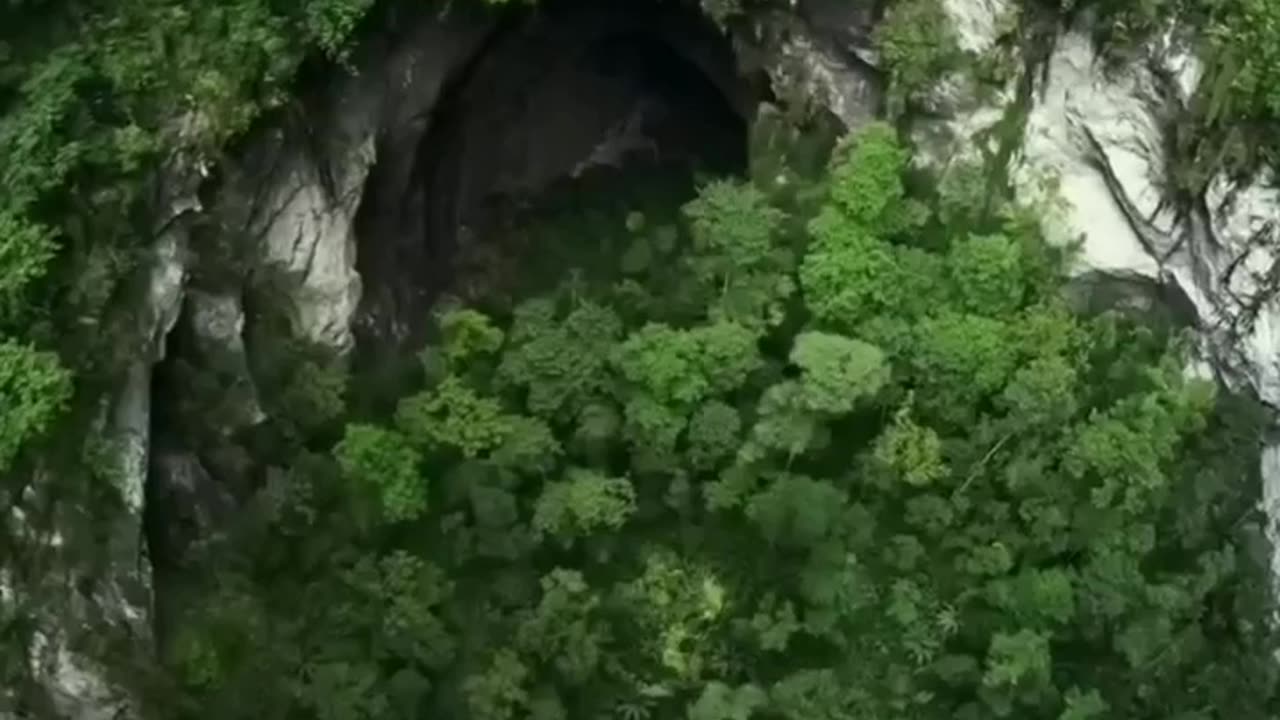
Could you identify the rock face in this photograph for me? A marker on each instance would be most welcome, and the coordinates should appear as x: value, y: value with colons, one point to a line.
x: 282, y: 220
x: 112, y: 599
x: 824, y: 56
x: 1106, y: 139
x: 272, y: 273
x: 323, y: 232
x: 1100, y: 139
x: 1082, y: 130
x: 291, y: 206
x: 320, y: 234
x: 552, y: 94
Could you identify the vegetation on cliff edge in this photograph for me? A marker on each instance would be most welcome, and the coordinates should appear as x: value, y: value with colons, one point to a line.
x: 805, y: 452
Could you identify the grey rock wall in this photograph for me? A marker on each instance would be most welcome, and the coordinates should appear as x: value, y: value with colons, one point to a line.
x: 320, y: 220
x: 1095, y: 150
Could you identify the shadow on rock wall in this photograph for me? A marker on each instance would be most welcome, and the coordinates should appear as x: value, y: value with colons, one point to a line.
x: 552, y: 96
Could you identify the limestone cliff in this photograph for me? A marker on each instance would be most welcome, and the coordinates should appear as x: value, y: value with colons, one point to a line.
x: 330, y: 227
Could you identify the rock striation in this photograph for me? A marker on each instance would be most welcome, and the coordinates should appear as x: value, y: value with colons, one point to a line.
x: 1097, y: 146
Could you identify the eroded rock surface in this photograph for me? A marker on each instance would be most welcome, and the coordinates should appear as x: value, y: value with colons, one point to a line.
x: 810, y: 63
x: 328, y: 228
x: 113, y: 597
x: 327, y: 217
x: 1083, y: 127
x: 290, y: 207
x: 1096, y: 145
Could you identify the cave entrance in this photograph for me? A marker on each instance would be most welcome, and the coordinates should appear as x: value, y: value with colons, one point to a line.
x: 565, y: 106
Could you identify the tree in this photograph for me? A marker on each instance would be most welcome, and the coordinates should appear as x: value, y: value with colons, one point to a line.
x: 387, y: 461
x: 34, y: 390
x: 920, y: 488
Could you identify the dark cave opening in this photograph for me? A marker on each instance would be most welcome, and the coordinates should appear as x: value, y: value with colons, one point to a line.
x: 571, y: 94
x: 565, y: 96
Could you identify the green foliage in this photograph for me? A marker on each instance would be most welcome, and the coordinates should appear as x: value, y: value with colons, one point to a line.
x: 734, y: 223
x: 138, y: 64
x: 561, y: 364
x: 314, y: 395
x: 95, y: 101
x: 1244, y: 39
x: 937, y: 492
x: 468, y: 334
x: 25, y: 252
x: 528, y: 446
x: 387, y: 461
x: 920, y: 488
x: 1232, y: 120
x: 329, y: 22
x: 866, y: 182
x: 736, y: 256
x: 988, y: 274
x: 721, y: 702
x: 565, y: 629
x: 498, y: 692
x: 582, y: 503
x: 911, y: 452
x: 110, y: 114
x: 34, y: 390
x: 453, y: 416
x: 836, y: 371
x: 917, y: 46
x: 714, y: 434
x: 1017, y: 664
x: 851, y: 272
x: 797, y: 510
x: 677, y: 606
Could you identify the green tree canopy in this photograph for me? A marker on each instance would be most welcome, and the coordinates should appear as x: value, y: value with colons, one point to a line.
x: 869, y: 502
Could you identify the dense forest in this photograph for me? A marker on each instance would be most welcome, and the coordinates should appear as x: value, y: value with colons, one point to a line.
x: 823, y: 440
x: 808, y: 450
